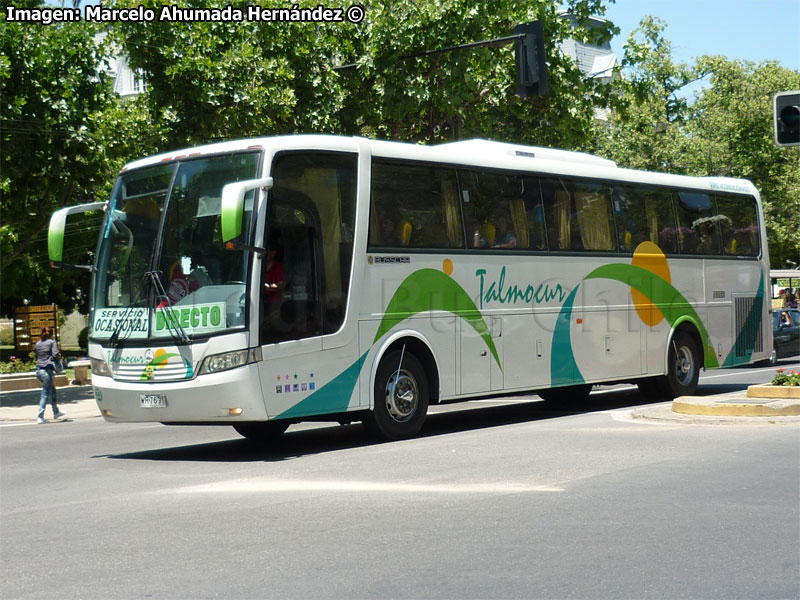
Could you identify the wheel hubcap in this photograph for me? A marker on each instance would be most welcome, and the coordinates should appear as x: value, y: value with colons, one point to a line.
x: 684, y: 366
x: 401, y: 396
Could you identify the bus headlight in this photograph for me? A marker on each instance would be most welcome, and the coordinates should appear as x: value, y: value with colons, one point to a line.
x: 100, y: 367
x: 229, y: 360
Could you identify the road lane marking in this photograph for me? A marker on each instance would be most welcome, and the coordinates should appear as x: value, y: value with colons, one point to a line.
x: 301, y: 485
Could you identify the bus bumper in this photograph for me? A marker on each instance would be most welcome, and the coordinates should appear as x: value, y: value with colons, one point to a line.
x: 232, y: 397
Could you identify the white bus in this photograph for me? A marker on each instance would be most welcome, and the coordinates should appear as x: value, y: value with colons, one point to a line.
x: 264, y: 282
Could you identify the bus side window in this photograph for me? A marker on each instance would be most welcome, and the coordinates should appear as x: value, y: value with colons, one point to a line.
x: 644, y: 214
x: 738, y: 220
x: 698, y: 224
x: 494, y: 210
x: 557, y: 202
x: 596, y: 224
x: 534, y: 211
x: 414, y: 206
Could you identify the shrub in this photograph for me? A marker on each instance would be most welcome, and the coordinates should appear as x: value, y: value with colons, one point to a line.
x: 18, y: 365
x: 783, y: 378
x: 83, y: 339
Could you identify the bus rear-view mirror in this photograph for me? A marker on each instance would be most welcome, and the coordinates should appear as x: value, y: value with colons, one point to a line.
x: 232, y: 210
x: 57, y: 232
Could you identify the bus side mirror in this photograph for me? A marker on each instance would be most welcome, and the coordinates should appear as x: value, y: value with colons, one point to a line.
x: 232, y: 210
x: 55, y: 234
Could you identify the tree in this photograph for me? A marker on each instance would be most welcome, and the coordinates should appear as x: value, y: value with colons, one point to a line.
x: 52, y: 98
x: 209, y: 81
x: 731, y: 134
x: 647, y: 129
x: 725, y: 129
x: 65, y: 135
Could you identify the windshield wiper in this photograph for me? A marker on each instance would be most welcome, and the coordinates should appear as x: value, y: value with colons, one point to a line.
x: 173, y: 325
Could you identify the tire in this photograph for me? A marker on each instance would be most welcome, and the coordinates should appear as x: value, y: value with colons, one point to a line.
x: 574, y: 395
x: 683, y: 366
x: 401, y: 403
x: 773, y: 357
x: 262, y: 433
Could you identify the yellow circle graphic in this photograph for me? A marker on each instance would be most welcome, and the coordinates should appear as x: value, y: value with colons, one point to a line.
x: 447, y: 266
x: 649, y: 256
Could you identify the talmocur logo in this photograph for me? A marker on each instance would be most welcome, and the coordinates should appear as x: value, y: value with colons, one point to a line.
x: 148, y: 354
x: 499, y: 291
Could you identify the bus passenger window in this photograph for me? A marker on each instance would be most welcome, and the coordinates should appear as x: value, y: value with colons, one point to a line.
x: 738, y: 220
x: 698, y: 224
x: 413, y: 206
x: 557, y: 202
x: 494, y: 210
x: 592, y: 201
x: 644, y: 214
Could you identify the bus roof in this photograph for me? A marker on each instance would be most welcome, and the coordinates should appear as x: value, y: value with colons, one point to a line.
x: 475, y: 152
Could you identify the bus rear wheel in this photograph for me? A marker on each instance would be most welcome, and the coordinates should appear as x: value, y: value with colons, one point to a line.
x: 683, y: 366
x: 683, y: 371
x: 401, y: 397
x: 262, y: 433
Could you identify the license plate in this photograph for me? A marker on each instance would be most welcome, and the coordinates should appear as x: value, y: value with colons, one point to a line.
x: 152, y: 401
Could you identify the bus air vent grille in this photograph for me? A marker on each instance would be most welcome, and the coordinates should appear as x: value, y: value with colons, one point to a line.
x: 747, y: 326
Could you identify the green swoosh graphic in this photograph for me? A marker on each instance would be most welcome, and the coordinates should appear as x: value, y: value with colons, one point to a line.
x: 669, y: 300
x: 429, y: 289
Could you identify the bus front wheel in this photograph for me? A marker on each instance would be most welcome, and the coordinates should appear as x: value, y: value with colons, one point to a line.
x: 262, y: 433
x: 401, y: 397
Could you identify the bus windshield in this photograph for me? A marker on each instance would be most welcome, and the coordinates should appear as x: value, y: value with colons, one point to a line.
x: 161, y: 268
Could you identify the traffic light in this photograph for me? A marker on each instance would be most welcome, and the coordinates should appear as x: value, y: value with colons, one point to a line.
x: 530, y: 59
x: 786, y: 117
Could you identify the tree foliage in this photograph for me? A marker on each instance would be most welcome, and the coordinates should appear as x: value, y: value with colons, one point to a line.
x: 724, y: 129
x: 53, y: 99
x: 211, y: 81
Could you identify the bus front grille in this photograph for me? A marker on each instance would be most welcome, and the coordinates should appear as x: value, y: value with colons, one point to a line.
x: 167, y: 372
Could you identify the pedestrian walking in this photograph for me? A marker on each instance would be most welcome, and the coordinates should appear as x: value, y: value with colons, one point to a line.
x: 47, y: 354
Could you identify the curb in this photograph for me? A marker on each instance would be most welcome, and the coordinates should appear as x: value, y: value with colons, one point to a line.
x: 728, y: 408
x: 736, y: 407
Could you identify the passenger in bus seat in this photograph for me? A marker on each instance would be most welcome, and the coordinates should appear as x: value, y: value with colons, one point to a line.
x: 478, y: 241
x: 505, y: 235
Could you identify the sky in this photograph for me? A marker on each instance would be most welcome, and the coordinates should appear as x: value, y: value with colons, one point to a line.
x: 754, y: 30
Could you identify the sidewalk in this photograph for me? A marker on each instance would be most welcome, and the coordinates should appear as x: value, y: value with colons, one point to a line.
x: 22, y: 406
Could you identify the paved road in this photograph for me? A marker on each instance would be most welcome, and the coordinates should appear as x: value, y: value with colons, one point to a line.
x: 507, y: 499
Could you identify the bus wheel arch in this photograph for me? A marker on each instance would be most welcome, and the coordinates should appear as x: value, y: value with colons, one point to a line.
x: 688, y: 327
x: 404, y: 382
x: 683, y: 359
